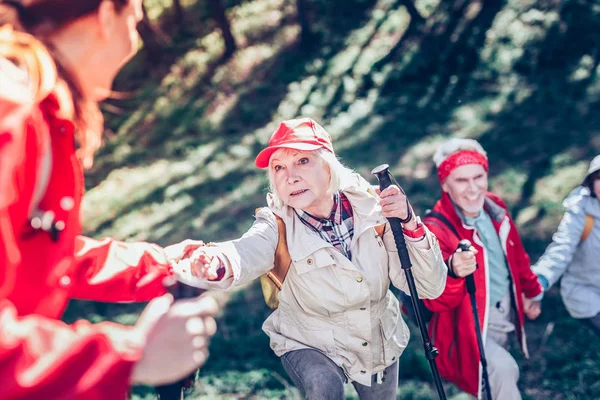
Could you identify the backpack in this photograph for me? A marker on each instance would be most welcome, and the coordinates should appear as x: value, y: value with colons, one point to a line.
x: 272, y: 282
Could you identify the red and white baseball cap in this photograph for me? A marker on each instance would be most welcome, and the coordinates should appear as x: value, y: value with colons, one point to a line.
x: 302, y: 134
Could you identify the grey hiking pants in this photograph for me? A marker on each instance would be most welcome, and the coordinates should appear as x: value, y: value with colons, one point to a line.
x: 319, y: 378
x: 503, y: 370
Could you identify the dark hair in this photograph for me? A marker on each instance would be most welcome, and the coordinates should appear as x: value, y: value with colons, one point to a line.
x: 42, y: 17
x: 27, y: 44
x: 589, y: 182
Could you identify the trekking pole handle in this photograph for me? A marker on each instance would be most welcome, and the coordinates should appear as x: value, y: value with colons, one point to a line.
x: 384, y: 177
x: 382, y: 172
x: 465, y: 245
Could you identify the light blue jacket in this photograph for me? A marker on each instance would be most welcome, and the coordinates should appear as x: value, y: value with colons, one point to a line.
x: 577, y: 263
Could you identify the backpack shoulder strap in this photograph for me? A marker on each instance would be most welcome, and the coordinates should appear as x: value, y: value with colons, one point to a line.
x: 587, y: 228
x: 283, y: 260
x: 434, y: 215
x: 380, y: 229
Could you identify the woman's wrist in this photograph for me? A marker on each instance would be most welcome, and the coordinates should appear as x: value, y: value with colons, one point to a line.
x: 414, y: 228
x: 224, y: 271
x: 410, y: 225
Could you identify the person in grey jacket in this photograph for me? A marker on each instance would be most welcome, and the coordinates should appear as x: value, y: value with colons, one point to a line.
x: 337, y: 321
x: 573, y: 259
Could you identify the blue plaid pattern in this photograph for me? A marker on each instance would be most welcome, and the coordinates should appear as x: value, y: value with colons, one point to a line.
x: 338, y: 228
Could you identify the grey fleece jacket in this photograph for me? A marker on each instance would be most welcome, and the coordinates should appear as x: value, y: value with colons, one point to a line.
x: 577, y: 263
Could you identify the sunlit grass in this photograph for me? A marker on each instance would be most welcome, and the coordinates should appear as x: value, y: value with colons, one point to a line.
x: 182, y: 160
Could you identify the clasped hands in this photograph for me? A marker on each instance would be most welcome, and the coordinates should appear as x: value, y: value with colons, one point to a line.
x: 173, y: 335
x: 194, y: 259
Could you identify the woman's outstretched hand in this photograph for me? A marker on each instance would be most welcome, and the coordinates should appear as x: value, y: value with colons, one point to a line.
x: 208, y: 266
x: 179, y: 251
x: 204, y: 263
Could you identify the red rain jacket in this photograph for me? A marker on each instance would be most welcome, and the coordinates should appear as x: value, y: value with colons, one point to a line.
x: 452, y: 328
x: 41, y: 357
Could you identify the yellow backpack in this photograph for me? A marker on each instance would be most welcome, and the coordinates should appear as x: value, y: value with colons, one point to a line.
x: 272, y: 282
x: 587, y: 228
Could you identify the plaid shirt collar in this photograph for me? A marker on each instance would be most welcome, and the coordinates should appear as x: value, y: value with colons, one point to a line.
x: 340, y: 211
x: 338, y: 228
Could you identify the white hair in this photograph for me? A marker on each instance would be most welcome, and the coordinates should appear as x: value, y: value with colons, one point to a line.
x: 339, y: 173
x: 453, y: 145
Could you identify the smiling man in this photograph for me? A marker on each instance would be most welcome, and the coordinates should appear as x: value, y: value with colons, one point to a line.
x: 507, y: 289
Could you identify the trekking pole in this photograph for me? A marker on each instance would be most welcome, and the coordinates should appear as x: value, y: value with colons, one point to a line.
x: 385, y: 179
x: 465, y: 245
x: 176, y: 390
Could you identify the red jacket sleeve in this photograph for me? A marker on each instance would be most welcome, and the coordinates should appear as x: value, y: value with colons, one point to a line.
x: 455, y: 289
x: 42, y: 358
x: 12, y: 150
x: 530, y: 284
x: 113, y: 271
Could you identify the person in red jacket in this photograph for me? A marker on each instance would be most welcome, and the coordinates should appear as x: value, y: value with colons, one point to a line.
x: 507, y: 289
x: 58, y: 58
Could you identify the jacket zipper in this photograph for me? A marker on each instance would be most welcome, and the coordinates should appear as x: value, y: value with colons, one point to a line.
x: 513, y: 297
x: 456, y: 333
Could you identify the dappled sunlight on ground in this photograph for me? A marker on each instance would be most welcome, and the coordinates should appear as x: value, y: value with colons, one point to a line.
x: 389, y: 89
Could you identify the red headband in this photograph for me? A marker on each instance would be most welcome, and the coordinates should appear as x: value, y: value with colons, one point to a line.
x: 459, y: 158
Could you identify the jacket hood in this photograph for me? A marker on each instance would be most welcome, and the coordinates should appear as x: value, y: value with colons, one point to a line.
x: 580, y: 199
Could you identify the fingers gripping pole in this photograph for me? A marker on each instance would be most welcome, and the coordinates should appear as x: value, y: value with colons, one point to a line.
x: 383, y: 176
x: 385, y: 179
x: 465, y: 245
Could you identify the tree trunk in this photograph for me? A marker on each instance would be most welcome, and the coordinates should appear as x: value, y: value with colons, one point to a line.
x: 154, y: 40
x: 306, y: 34
x: 178, y: 14
x: 218, y: 13
x: 415, y: 15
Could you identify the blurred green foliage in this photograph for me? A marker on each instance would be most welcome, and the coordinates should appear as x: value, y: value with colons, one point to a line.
x: 521, y: 76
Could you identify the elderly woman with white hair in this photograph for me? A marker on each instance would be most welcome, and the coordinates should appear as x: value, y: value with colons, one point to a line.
x: 337, y: 321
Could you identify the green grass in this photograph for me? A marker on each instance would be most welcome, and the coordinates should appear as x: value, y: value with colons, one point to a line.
x: 519, y: 76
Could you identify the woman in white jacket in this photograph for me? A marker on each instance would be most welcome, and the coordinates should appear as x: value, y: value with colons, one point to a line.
x: 574, y: 259
x: 337, y: 320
